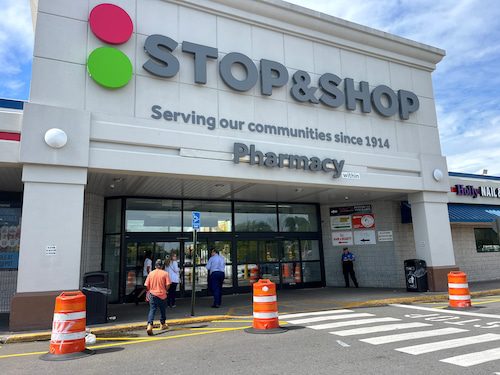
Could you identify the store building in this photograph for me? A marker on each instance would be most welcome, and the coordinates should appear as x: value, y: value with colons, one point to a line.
x: 294, y: 133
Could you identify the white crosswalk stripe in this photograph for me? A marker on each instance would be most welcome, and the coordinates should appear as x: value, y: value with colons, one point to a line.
x: 448, y: 344
x: 375, y: 329
x: 328, y: 317
x: 315, y: 313
x: 352, y: 323
x: 472, y: 359
x: 343, y: 318
x: 379, y: 340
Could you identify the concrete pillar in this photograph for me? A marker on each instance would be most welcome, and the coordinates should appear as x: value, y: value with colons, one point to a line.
x: 432, y: 232
x: 51, y: 239
x: 54, y: 179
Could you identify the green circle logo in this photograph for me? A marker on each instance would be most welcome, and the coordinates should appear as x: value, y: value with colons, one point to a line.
x: 109, y: 67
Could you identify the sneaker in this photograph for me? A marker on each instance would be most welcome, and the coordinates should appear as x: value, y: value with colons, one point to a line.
x: 173, y: 306
x: 149, y: 330
x: 164, y: 326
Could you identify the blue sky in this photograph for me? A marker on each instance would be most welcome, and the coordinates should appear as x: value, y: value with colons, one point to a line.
x: 466, y: 82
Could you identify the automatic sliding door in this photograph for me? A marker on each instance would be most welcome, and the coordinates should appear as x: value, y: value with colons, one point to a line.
x: 204, y: 253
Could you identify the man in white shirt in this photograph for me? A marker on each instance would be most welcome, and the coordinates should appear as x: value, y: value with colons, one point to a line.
x: 216, y: 266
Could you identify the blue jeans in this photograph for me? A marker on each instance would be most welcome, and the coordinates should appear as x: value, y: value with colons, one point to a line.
x: 154, y: 304
x: 216, y: 280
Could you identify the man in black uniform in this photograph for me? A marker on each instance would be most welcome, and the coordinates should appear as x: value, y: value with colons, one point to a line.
x: 348, y: 267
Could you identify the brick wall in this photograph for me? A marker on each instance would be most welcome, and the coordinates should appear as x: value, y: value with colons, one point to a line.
x: 93, y: 220
x: 379, y: 265
x: 478, y: 266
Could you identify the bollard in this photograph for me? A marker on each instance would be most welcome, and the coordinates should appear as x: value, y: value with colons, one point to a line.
x: 265, y: 308
x: 68, y: 328
x: 459, y: 296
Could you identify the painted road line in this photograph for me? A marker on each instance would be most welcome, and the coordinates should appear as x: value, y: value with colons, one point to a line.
x: 328, y: 317
x: 453, y: 312
x: 448, y: 344
x: 375, y: 329
x: 133, y: 342
x: 315, y: 313
x: 472, y: 359
x: 341, y: 343
x: 412, y: 336
x: 233, y: 321
x: 353, y: 323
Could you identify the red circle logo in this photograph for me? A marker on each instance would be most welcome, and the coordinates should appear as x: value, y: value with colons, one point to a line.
x: 111, y: 24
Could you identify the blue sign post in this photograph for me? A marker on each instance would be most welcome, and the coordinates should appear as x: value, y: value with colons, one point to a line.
x: 196, y: 220
x: 195, y: 223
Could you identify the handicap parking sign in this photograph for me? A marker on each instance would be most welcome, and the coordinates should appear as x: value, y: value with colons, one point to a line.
x: 196, y: 220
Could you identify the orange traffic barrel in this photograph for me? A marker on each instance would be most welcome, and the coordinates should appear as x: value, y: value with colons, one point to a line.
x: 297, y: 276
x: 254, y: 274
x: 265, y: 308
x: 68, y: 328
x: 458, y: 290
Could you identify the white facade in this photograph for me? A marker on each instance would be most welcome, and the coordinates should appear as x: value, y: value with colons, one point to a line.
x: 112, y: 135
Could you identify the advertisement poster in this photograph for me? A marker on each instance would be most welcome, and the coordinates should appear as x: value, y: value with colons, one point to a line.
x: 341, y: 222
x: 342, y: 238
x: 347, y: 210
x: 364, y: 237
x: 364, y: 221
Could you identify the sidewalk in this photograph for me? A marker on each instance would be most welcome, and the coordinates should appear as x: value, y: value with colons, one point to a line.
x: 131, y: 317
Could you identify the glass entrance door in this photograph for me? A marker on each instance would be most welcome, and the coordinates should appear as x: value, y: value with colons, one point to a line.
x: 137, y: 251
x: 135, y: 272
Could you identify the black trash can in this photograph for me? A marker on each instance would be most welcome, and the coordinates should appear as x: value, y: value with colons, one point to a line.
x: 416, y: 275
x: 95, y: 287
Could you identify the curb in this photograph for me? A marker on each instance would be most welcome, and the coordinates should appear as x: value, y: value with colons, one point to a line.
x: 416, y: 299
x: 99, y: 331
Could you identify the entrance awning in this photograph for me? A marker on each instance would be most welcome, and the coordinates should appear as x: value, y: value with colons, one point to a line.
x: 471, y: 213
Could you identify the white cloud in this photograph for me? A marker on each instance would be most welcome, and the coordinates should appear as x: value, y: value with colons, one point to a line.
x: 16, y: 44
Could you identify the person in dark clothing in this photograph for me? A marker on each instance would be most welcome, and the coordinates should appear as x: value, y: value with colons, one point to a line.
x: 348, y: 267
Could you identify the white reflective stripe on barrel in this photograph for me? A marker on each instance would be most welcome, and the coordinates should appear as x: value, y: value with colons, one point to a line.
x: 460, y: 298
x: 67, y: 336
x: 267, y: 315
x: 455, y: 285
x: 265, y: 299
x: 59, y: 317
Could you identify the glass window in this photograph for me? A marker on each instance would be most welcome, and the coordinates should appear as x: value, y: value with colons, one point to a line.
x: 132, y: 254
x: 247, y: 252
x: 166, y: 249
x: 309, y: 249
x: 153, y: 215
x: 255, y: 217
x: 311, y: 271
x: 10, y: 234
x: 112, y: 264
x: 215, y: 216
x: 298, y: 218
x: 268, y: 251
x: 202, y: 278
x: 486, y: 240
x: 248, y: 274
x: 291, y: 273
x: 290, y: 250
x: 270, y: 271
x: 113, y: 216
